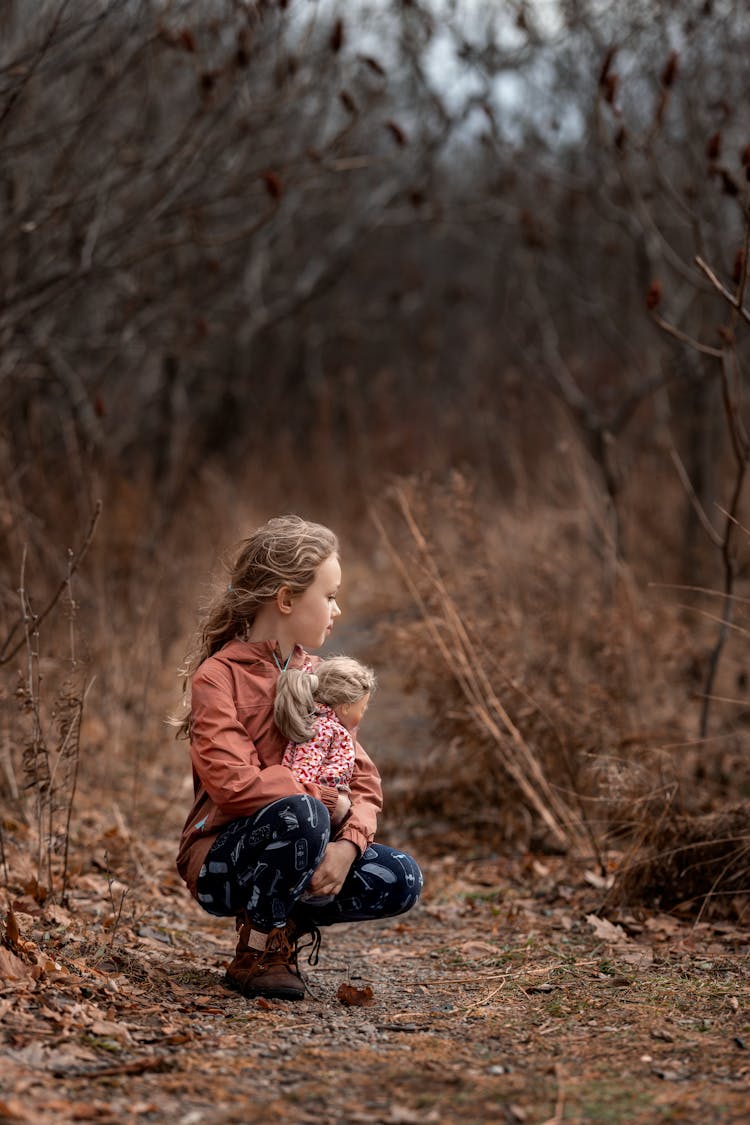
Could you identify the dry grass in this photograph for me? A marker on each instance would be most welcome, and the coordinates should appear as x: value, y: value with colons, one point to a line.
x: 561, y: 689
x: 692, y: 864
x: 532, y: 648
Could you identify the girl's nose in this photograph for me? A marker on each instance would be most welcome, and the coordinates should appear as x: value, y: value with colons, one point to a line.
x: 336, y: 610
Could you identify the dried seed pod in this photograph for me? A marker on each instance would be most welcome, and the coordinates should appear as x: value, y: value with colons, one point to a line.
x: 670, y: 70
x: 713, y: 147
x: 653, y: 295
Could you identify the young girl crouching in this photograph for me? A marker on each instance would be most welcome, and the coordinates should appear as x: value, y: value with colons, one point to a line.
x: 257, y: 837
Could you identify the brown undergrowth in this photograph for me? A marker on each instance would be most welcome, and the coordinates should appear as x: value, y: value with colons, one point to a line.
x: 560, y: 696
x: 692, y: 864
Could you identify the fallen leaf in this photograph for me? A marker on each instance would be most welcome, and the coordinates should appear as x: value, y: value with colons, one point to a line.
x: 12, y: 967
x: 355, y: 997
x: 605, y: 930
x: 639, y: 956
x: 109, y: 1029
x: 12, y: 933
x: 670, y: 1075
x: 477, y: 949
x: 12, y: 1109
x: 402, y: 1115
x: 601, y: 882
x: 57, y: 914
x: 619, y: 981
x: 663, y: 925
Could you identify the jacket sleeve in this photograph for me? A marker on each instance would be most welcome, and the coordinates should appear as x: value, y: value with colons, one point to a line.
x: 226, y: 759
x: 367, y: 801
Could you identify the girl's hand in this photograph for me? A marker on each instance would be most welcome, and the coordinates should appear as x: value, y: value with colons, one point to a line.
x: 341, y: 812
x: 333, y: 869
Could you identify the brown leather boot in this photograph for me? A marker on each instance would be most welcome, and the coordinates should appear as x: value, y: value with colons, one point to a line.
x: 270, y: 972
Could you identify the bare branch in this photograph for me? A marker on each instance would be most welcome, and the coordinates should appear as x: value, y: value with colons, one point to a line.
x: 684, y: 338
x: 698, y: 508
x: 734, y: 301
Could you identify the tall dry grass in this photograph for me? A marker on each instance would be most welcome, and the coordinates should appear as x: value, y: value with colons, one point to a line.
x: 563, y: 683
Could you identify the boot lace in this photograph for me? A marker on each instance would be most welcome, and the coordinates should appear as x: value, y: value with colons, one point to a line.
x: 311, y: 947
x: 280, y: 942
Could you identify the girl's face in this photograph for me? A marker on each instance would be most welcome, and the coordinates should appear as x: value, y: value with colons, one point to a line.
x: 313, y: 612
x: 350, y: 715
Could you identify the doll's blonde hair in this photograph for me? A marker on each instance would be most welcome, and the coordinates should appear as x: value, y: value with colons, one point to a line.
x: 335, y: 681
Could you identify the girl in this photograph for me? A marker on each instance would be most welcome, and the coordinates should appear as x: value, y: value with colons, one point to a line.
x: 256, y: 837
x: 317, y: 711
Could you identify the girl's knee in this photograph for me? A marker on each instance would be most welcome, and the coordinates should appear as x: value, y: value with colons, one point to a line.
x: 413, y: 873
x: 303, y: 815
x: 411, y: 884
x: 398, y: 875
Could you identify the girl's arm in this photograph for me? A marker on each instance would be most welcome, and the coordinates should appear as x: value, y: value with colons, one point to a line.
x: 367, y: 801
x: 357, y: 831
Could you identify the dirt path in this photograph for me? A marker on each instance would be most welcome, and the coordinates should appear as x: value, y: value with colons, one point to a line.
x: 502, y: 997
x: 499, y: 998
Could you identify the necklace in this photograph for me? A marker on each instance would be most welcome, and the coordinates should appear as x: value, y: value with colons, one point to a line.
x: 286, y: 662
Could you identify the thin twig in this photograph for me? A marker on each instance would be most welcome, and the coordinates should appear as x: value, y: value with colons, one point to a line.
x: 696, y: 590
x: 557, y: 1118
x: 117, y: 909
x: 36, y: 755
x: 719, y: 619
x: 733, y: 300
x: 698, y: 508
x: 484, y: 1000
x: 741, y: 449
x: 72, y: 796
x: 683, y: 337
x: 73, y: 565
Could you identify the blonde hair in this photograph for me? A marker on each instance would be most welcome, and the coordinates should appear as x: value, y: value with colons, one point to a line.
x: 285, y: 551
x: 337, y: 680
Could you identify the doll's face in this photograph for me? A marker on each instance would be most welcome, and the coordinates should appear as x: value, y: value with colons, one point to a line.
x: 350, y: 715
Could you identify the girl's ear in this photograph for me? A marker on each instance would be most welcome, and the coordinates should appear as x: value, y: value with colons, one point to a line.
x: 284, y: 600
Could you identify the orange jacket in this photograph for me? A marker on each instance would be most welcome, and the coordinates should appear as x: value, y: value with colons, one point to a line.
x: 236, y: 751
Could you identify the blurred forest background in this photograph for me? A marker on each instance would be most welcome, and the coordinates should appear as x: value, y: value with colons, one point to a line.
x: 466, y: 280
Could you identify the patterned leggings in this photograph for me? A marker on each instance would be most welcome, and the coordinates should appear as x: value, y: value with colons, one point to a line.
x: 263, y: 863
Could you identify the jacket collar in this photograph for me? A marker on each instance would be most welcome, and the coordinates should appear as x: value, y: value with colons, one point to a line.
x: 250, y: 652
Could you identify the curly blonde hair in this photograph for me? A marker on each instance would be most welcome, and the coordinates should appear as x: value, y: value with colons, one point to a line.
x: 337, y: 680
